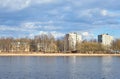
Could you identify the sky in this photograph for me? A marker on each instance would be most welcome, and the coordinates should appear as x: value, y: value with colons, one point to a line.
x: 27, y: 18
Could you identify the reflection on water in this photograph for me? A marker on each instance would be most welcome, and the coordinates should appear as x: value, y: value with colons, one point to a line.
x: 106, y: 66
x: 73, y: 67
x: 73, y: 59
x: 109, y: 69
x: 59, y: 67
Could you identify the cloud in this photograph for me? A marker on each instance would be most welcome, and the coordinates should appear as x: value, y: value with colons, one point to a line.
x: 103, y: 4
x: 93, y: 13
x: 76, y: 4
x: 15, y: 29
x: 61, y: 16
x: 32, y: 28
x: 86, y: 35
x: 40, y: 26
x: 104, y: 12
x: 97, y: 16
x: 54, y: 33
x: 57, y: 34
x: 30, y: 25
x: 15, y: 4
x: 21, y: 4
x: 43, y: 1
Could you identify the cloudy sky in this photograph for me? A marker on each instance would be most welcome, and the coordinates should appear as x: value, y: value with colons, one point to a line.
x: 21, y: 18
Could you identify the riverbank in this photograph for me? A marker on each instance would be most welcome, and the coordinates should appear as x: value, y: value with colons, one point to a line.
x: 58, y: 54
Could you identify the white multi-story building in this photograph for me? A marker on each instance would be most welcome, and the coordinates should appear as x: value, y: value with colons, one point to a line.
x: 105, y: 39
x: 71, y: 41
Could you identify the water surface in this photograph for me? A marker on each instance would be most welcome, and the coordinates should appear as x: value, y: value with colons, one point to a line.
x: 59, y: 67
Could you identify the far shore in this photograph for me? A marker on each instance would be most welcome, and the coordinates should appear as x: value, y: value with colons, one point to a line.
x: 54, y: 54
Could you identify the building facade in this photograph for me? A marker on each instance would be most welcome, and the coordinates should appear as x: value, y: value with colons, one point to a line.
x: 105, y: 39
x: 71, y: 41
x: 20, y: 47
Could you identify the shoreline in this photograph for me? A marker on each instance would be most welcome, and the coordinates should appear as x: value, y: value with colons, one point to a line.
x: 58, y: 54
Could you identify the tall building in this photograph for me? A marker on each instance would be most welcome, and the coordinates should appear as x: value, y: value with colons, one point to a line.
x: 71, y: 41
x: 105, y: 39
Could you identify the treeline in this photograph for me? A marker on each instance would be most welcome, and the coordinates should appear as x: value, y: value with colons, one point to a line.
x: 10, y: 44
x: 46, y: 43
x: 93, y: 47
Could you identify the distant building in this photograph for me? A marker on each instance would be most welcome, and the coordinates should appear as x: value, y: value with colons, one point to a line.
x: 105, y: 39
x: 71, y: 41
x: 20, y: 47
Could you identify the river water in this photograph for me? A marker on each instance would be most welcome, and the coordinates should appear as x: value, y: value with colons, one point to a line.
x: 59, y: 67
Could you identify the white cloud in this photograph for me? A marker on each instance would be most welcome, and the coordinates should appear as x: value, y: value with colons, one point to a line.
x: 14, y: 28
x: 30, y: 25
x: 34, y: 28
x: 15, y: 4
x: 54, y: 33
x: 104, y: 12
x: 51, y: 27
x: 32, y: 32
x: 43, y: 1
x: 89, y: 13
x: 87, y: 35
x: 21, y: 4
x: 97, y: 15
x: 4, y: 28
x: 57, y: 34
x: 40, y: 25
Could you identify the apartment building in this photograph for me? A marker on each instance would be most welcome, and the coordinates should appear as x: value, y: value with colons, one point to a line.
x: 105, y: 39
x: 71, y: 40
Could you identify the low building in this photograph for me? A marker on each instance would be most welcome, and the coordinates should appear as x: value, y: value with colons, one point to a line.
x: 20, y: 47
